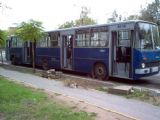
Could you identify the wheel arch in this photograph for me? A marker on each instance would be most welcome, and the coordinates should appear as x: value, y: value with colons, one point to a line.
x: 102, y: 63
x: 45, y: 63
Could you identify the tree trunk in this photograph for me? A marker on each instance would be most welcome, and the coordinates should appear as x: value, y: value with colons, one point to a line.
x: 33, y: 57
x: 1, y: 57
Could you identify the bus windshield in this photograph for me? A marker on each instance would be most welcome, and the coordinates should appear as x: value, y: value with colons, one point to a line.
x: 148, y: 36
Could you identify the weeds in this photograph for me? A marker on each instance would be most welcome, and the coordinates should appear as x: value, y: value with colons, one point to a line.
x: 103, y: 89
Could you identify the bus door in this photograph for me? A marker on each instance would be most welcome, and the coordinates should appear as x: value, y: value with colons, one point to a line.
x: 27, y: 52
x: 121, y: 53
x: 67, y: 51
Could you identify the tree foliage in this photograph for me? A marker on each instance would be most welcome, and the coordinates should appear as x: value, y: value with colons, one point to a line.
x: 132, y: 17
x: 2, y: 42
x: 3, y: 6
x: 30, y: 31
x: 83, y: 20
x: 151, y: 12
x: 11, y: 31
x: 2, y: 38
x: 116, y: 17
x: 67, y: 24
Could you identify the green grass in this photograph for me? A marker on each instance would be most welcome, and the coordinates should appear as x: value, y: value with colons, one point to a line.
x: 142, y: 95
x: 18, y: 102
x: 103, y: 89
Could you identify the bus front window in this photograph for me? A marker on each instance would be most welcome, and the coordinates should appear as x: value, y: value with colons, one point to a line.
x: 156, y: 37
x: 148, y: 36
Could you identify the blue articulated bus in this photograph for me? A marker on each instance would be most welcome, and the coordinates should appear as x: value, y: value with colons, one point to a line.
x: 128, y: 49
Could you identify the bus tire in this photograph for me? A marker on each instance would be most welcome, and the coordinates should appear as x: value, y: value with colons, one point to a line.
x: 100, y: 71
x: 13, y: 60
x: 45, y: 64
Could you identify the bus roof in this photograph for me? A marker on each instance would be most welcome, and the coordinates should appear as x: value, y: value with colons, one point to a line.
x: 99, y: 25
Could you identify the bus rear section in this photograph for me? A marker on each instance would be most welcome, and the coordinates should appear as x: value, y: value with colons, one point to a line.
x: 14, y: 50
x: 18, y: 51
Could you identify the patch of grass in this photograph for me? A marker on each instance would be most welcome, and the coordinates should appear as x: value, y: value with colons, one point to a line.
x: 18, y: 102
x: 57, y: 94
x: 93, y: 114
x: 103, y: 89
x: 142, y: 95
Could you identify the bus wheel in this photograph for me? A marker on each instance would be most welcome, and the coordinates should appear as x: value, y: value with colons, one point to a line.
x: 100, y: 71
x: 45, y: 64
x: 13, y: 60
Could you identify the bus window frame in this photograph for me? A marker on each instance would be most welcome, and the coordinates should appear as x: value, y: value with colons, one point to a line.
x: 90, y: 31
x: 100, y: 30
x: 16, y: 40
x: 57, y: 40
x: 82, y: 32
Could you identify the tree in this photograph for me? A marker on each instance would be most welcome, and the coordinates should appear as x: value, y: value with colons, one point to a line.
x: 67, y: 25
x: 133, y: 17
x: 3, y: 6
x: 151, y: 12
x: 2, y: 42
x: 115, y: 17
x: 31, y: 31
x: 83, y: 20
x: 11, y: 31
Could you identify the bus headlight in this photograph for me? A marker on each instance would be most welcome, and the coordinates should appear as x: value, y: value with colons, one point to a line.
x: 143, y: 65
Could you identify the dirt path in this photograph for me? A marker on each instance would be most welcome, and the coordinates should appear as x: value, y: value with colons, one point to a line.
x: 99, y: 113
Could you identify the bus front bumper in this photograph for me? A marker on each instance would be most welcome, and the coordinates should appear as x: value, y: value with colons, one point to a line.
x: 147, y: 70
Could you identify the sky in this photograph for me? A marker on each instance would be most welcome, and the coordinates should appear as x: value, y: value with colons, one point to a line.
x: 55, y: 12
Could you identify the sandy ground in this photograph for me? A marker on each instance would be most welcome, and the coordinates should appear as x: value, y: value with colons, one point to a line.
x: 75, y: 104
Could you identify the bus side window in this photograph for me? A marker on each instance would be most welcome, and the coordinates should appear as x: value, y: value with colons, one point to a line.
x: 19, y: 42
x: 54, y: 39
x: 95, y: 38
x: 124, y: 38
x: 82, y: 39
x: 43, y: 42
x: 13, y: 42
x: 99, y: 37
x: 104, y: 39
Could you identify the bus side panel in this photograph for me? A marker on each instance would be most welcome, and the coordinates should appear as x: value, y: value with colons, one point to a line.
x: 85, y: 58
x: 17, y: 53
x: 51, y: 54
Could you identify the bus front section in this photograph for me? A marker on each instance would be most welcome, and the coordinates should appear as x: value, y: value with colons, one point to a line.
x: 146, y: 53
